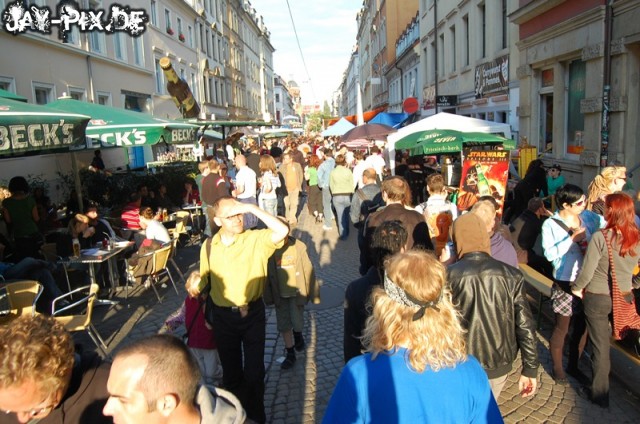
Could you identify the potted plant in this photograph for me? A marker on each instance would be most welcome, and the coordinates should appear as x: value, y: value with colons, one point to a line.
x: 181, y: 37
x: 169, y: 31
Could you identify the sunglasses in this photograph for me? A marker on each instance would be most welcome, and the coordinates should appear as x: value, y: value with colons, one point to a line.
x: 579, y: 202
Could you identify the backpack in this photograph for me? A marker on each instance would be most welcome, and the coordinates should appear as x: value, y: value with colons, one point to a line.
x: 368, y: 206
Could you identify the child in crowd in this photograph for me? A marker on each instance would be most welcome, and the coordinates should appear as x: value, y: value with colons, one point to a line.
x: 291, y: 283
x: 438, y: 212
x: 554, y: 181
x: 199, y: 336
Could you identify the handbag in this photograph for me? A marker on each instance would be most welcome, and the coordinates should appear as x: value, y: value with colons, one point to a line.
x: 626, y: 321
x: 208, y: 307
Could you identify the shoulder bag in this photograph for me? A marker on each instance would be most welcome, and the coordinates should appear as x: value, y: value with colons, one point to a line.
x: 208, y: 307
x: 626, y: 322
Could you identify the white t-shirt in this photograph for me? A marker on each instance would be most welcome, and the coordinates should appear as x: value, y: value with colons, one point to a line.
x: 358, y: 170
x: 376, y: 162
x: 156, y: 231
x: 246, y: 178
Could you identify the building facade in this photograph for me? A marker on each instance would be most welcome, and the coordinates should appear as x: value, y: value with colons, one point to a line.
x: 566, y: 52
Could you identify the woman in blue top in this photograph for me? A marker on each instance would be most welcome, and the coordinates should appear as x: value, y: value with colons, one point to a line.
x: 565, y: 236
x: 416, y: 369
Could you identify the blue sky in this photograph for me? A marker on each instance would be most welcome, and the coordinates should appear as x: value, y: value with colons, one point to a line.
x: 327, y: 32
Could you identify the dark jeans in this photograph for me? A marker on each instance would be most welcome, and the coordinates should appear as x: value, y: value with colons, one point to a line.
x: 35, y: 269
x: 597, y: 308
x: 239, y: 338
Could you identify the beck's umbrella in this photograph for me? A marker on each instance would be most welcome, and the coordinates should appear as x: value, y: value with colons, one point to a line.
x: 368, y: 132
x: 111, y: 126
x: 9, y: 95
x: 448, y: 141
x: 26, y: 127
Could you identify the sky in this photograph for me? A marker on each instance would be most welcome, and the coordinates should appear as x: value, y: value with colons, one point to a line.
x: 327, y: 33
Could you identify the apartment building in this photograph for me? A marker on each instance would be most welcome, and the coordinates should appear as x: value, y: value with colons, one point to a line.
x: 578, y: 68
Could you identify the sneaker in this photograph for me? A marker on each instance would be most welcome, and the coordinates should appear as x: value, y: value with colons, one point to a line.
x: 289, y: 361
x: 324, y: 227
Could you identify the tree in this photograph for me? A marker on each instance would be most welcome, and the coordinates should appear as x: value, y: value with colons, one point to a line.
x: 314, y: 122
x: 326, y: 110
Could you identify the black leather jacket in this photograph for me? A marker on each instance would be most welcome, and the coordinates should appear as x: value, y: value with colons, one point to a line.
x: 490, y: 295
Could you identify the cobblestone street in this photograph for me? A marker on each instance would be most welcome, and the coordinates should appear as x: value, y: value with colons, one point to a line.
x: 301, y: 394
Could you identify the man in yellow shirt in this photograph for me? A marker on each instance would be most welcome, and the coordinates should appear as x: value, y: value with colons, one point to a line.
x: 234, y: 261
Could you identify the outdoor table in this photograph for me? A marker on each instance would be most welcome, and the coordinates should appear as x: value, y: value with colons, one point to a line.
x: 99, y: 255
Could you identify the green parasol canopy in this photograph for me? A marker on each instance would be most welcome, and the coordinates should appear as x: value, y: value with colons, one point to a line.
x: 111, y: 126
x: 26, y: 127
x: 9, y: 95
x: 448, y: 141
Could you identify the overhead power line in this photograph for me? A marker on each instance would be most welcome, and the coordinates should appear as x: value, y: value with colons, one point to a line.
x: 304, y: 63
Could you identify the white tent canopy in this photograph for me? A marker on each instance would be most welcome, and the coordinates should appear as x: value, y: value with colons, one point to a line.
x: 446, y: 121
x: 339, y: 128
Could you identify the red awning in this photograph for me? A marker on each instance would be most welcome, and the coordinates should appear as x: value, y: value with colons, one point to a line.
x: 368, y: 116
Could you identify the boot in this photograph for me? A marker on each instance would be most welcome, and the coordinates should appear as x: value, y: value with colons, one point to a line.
x: 289, y: 360
x: 298, y: 341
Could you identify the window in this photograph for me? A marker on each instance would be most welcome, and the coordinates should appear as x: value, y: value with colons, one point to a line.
x: 167, y: 19
x: 452, y: 32
x: 43, y: 93
x: 73, y: 36
x: 7, y: 83
x: 277, y: 97
x: 154, y: 13
x: 190, y: 36
x: 441, y: 55
x: 159, y: 78
x: 179, y: 26
x: 104, y: 98
x: 96, y: 42
x: 465, y: 45
x: 505, y: 25
x: 575, y: 94
x: 482, y: 19
x: 120, y: 46
x: 546, y: 110
x: 138, y: 51
x: 78, y: 94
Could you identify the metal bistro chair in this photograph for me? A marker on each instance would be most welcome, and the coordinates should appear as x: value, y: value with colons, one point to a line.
x: 81, y: 322
x: 174, y: 249
x: 159, y: 268
x: 18, y: 298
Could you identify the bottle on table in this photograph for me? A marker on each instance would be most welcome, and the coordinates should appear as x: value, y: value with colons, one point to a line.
x: 483, y: 184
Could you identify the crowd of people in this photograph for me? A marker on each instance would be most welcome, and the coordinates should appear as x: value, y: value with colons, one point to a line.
x: 437, y: 319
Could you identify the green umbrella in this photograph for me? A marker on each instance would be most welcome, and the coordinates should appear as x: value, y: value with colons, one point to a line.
x: 111, y: 126
x: 26, y: 127
x: 9, y: 95
x: 448, y: 141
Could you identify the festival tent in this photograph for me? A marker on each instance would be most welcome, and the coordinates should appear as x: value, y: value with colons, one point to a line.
x: 448, y: 141
x: 25, y: 127
x: 446, y: 121
x: 392, y: 119
x: 337, y: 129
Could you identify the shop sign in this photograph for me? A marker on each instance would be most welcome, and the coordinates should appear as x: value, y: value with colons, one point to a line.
x: 492, y: 78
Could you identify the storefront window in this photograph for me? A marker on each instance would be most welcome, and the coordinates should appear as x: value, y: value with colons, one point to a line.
x: 546, y: 110
x: 575, y: 119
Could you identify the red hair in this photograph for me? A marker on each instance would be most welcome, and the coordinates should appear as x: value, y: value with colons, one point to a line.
x: 620, y: 217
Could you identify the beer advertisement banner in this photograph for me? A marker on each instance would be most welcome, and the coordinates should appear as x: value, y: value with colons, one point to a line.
x: 484, y: 173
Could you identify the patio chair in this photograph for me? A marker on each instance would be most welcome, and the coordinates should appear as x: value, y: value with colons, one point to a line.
x: 174, y: 249
x: 18, y: 298
x: 182, y: 217
x: 160, y: 261
x: 83, y: 299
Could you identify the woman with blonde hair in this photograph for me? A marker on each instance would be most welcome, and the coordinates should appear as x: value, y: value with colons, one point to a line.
x: 269, y: 182
x: 610, y: 180
x: 415, y: 368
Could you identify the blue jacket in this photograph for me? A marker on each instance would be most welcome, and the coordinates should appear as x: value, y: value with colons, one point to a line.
x: 324, y: 171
